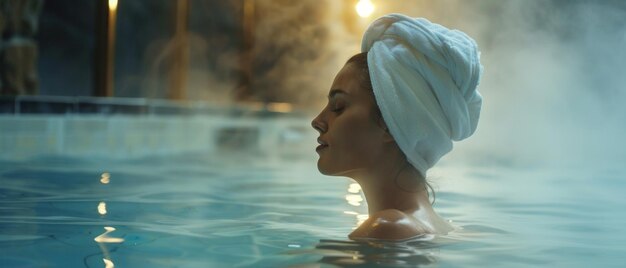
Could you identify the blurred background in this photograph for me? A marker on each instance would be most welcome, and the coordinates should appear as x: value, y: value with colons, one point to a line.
x: 183, y: 127
x: 553, y: 87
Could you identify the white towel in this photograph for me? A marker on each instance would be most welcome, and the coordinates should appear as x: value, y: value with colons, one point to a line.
x: 424, y: 78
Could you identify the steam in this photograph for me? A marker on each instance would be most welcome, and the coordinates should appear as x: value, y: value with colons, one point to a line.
x: 298, y: 48
x: 554, y: 83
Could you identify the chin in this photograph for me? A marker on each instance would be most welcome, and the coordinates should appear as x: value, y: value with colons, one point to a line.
x: 329, y: 171
x: 326, y: 168
x: 322, y: 169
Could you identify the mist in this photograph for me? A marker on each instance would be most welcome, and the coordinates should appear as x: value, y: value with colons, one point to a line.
x: 554, y: 83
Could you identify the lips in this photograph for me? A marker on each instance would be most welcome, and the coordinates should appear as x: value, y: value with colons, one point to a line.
x: 323, y: 145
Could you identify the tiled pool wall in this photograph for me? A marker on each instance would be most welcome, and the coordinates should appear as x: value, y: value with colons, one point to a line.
x: 127, y: 135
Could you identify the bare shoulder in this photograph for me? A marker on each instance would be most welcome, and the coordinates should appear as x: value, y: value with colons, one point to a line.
x: 388, y: 224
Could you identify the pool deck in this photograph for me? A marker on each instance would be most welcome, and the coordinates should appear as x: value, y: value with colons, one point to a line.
x: 131, y: 128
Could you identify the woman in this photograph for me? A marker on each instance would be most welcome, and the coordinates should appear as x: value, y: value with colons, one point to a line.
x: 393, y: 112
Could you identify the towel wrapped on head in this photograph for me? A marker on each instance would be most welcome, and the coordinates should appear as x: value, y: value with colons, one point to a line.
x: 424, y: 78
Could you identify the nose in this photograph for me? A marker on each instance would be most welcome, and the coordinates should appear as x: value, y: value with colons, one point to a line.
x: 318, y: 124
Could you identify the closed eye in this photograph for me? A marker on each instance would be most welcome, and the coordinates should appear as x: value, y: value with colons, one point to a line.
x: 338, y: 110
x: 337, y: 107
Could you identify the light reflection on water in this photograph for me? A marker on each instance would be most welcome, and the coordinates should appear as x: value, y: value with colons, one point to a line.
x: 356, y: 198
x: 102, y: 208
x: 105, y: 178
x: 104, y: 238
x: 415, y: 252
x: 198, y: 211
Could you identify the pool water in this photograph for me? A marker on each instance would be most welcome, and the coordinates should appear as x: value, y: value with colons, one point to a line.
x: 255, y: 210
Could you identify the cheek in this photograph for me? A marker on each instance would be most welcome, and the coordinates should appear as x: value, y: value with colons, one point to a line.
x: 359, y: 136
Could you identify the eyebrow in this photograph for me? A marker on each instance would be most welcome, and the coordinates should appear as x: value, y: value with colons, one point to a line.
x: 334, y: 92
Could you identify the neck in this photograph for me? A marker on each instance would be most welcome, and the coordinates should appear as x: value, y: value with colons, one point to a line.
x: 395, y: 187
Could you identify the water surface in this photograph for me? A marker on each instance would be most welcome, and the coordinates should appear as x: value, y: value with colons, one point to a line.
x: 251, y: 210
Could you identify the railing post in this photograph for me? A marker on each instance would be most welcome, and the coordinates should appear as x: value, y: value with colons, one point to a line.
x: 105, y: 48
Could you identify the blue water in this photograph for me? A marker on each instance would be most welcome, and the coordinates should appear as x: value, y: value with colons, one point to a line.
x: 251, y: 210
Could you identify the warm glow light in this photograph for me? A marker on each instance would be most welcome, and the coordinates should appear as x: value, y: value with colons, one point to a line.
x: 108, y: 263
x: 364, y: 8
x: 102, y: 208
x: 104, y: 238
x: 112, y: 5
x: 105, y: 178
x: 354, y: 199
x: 354, y: 188
x: 280, y: 107
x: 361, y: 218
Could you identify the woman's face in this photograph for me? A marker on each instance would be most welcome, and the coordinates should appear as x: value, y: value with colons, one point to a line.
x: 351, y: 135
